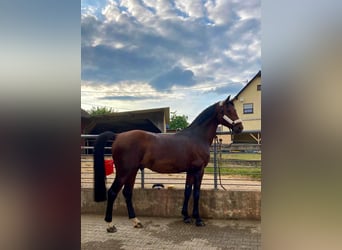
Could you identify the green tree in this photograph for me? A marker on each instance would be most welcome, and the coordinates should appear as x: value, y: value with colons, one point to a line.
x: 100, y: 111
x: 178, y: 121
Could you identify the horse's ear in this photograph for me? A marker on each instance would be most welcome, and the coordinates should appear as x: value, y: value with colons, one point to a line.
x: 225, y: 101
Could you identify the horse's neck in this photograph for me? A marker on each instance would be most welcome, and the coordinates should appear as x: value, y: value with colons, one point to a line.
x: 206, y: 131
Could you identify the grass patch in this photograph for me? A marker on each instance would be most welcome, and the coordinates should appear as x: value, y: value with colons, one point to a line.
x: 238, y: 156
x: 248, y: 172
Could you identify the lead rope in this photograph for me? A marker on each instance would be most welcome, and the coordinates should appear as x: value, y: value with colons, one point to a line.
x: 219, y: 168
x: 219, y: 171
x: 220, y: 179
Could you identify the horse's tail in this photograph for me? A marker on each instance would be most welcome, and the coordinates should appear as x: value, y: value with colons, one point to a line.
x: 100, y: 192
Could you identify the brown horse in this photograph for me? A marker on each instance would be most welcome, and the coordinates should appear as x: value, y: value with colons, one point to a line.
x: 185, y: 151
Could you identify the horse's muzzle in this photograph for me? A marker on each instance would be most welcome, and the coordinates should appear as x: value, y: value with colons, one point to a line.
x: 237, y: 128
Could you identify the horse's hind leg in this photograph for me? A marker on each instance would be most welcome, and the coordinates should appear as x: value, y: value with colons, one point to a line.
x: 128, y: 193
x: 187, y: 194
x: 112, y: 194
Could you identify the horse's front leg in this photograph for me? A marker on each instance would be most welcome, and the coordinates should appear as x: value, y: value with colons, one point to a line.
x: 187, y: 194
x: 198, y: 176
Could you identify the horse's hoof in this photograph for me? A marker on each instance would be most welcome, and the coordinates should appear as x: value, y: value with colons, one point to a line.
x: 111, y: 229
x: 138, y: 225
x: 187, y: 220
x: 200, y: 223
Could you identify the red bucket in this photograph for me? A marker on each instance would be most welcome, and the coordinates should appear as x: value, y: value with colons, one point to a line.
x: 109, y: 167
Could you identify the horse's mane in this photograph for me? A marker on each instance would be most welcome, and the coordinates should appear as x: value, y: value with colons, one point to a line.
x: 204, y: 116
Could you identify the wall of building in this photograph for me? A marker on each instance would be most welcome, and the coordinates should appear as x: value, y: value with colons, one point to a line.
x: 250, y: 95
x: 252, y: 121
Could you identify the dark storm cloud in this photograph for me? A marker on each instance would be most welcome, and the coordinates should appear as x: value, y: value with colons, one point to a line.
x: 89, y: 30
x: 108, y: 64
x: 175, y: 76
x: 144, y: 55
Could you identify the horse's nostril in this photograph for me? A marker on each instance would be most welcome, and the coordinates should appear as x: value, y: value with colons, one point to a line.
x: 238, y: 130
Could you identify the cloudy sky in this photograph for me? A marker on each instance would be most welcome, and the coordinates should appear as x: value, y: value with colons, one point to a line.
x: 186, y: 55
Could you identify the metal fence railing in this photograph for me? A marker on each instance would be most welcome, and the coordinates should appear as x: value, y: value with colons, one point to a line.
x: 222, y: 172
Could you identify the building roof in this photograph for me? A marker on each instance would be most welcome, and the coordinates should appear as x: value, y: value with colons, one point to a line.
x: 153, y: 120
x: 131, y: 114
x: 257, y: 75
x: 84, y: 114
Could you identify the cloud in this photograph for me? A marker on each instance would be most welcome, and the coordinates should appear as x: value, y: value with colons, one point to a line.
x: 220, y: 12
x: 192, y: 9
x: 229, y: 89
x: 169, y: 44
x: 129, y: 98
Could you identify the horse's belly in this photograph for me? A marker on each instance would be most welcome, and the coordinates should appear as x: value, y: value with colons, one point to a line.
x: 175, y: 166
x: 162, y: 166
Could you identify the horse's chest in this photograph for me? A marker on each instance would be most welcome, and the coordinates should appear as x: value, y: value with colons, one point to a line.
x: 200, y: 158
x: 191, y: 154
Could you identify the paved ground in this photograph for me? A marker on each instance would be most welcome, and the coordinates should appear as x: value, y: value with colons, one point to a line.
x: 169, y: 233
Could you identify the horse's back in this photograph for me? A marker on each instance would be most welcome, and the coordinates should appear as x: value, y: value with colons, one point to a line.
x: 166, y: 153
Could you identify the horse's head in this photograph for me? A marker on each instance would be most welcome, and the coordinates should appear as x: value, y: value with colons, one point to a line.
x: 228, y: 117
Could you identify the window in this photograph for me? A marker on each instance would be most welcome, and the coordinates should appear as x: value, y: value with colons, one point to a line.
x: 248, y: 108
x: 258, y: 87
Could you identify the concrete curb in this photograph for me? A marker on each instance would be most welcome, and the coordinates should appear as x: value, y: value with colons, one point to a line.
x: 214, y: 204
